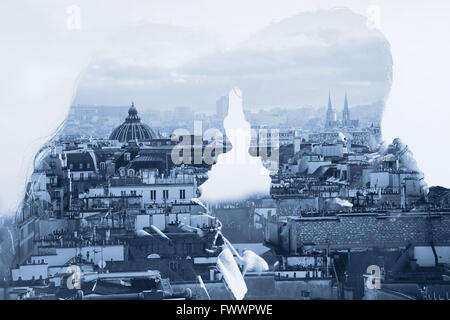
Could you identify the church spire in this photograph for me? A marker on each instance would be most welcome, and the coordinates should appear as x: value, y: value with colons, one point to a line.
x: 346, y: 112
x: 331, y: 116
x: 330, y: 107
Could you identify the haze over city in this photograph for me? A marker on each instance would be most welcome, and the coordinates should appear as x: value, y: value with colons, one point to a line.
x: 291, y: 63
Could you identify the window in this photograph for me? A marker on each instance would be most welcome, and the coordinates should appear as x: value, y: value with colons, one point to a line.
x: 81, y: 166
x: 187, y: 249
x: 165, y: 194
x: 173, y: 265
x: 81, y: 176
x: 133, y: 192
x: 127, y: 156
x: 71, y: 166
x: 123, y: 193
x: 182, y: 194
x: 152, y: 195
x: 88, y: 165
x: 102, y: 166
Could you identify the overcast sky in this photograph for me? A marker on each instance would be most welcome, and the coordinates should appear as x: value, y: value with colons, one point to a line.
x: 290, y: 63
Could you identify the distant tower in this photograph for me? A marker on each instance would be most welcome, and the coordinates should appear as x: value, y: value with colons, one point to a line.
x: 346, y: 113
x: 222, y: 107
x: 331, y: 115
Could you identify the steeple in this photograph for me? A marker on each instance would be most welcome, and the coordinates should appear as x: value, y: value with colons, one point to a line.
x: 346, y: 112
x: 331, y: 116
x: 330, y: 107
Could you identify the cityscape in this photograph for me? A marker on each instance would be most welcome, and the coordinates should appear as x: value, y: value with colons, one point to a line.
x: 110, y: 213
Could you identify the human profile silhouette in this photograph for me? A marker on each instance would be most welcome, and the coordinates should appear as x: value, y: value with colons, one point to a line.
x: 236, y: 175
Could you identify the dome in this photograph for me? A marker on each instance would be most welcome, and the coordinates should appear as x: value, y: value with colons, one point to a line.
x: 133, y: 129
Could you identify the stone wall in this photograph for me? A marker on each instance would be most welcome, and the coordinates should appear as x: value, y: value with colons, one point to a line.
x: 266, y: 288
x: 369, y: 231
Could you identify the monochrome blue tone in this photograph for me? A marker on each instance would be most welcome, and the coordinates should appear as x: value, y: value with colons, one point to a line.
x: 256, y: 172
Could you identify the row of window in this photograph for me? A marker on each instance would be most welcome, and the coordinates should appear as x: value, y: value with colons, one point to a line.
x: 80, y: 166
x: 153, y: 194
x: 82, y: 176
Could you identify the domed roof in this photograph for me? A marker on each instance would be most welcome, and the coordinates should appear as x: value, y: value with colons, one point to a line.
x: 133, y: 129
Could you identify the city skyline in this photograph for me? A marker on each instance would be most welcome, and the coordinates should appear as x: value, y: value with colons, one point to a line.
x: 146, y: 202
x: 339, y: 105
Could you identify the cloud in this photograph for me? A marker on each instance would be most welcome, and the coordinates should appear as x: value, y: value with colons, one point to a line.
x: 290, y: 63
